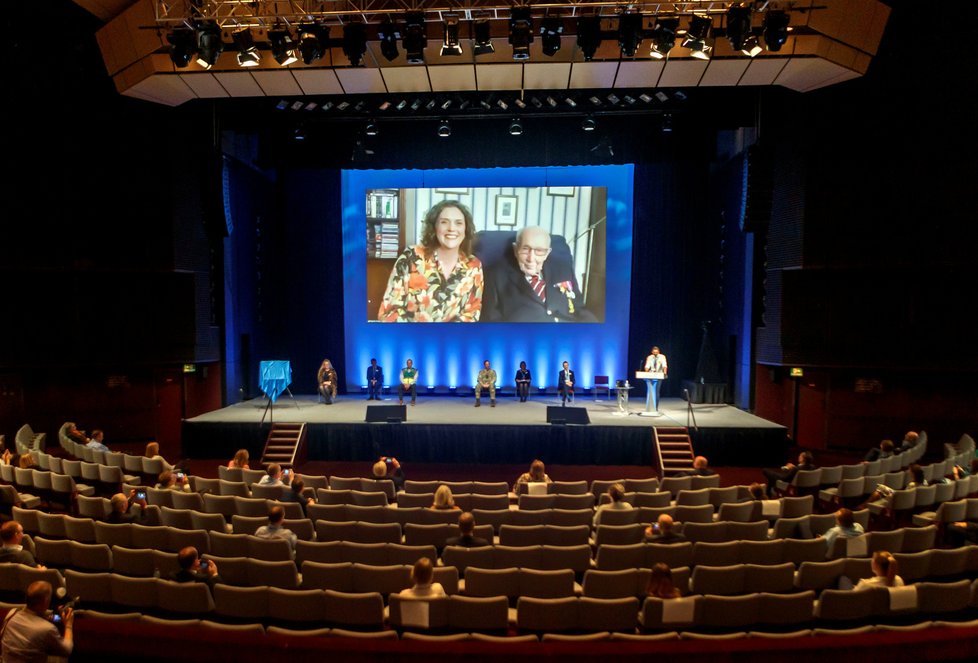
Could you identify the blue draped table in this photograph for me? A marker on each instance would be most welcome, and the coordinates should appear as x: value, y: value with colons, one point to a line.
x: 276, y: 376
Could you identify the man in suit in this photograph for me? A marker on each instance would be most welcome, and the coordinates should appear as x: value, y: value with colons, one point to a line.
x: 375, y: 380
x: 525, y: 287
x: 466, y: 525
x: 565, y: 384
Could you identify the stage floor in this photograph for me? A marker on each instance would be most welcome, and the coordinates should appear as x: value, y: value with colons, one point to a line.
x: 450, y: 410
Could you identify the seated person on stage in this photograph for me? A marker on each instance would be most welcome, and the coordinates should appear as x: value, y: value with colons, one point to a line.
x: 525, y: 287
x: 788, y: 471
x: 466, y: 525
x: 565, y: 384
x: 846, y: 527
x: 375, y: 380
x: 884, y: 450
x: 389, y: 468
x: 661, y: 585
x: 153, y: 453
x: 536, y: 474
x: 486, y: 380
x: 28, y: 634
x: 193, y: 569
x: 97, y: 442
x: 408, y: 383
x: 170, y: 480
x: 12, y: 538
x: 444, y: 500
x: 240, y: 460
x: 701, y: 468
x: 617, y: 494
x: 326, y: 378
x: 275, y: 476
x: 276, y: 530
x: 663, y: 531
x: 127, y: 509
x: 523, y: 379
x: 421, y: 578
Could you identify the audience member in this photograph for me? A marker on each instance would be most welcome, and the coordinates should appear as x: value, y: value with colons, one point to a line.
x: 444, y: 500
x: 788, y: 471
x: 153, y: 453
x: 663, y: 531
x: 194, y: 569
x: 125, y: 510
x: 96, y: 442
x: 660, y: 583
x: 275, y: 530
x: 240, y: 460
x: 389, y: 468
x: 884, y: 450
x: 909, y: 441
x: 170, y: 480
x: 758, y: 491
x: 12, y: 538
x: 466, y: 525
x: 76, y: 435
x: 700, y: 469
x: 29, y: 635
x: 275, y: 476
x: 536, y: 474
x: 24, y: 461
x: 884, y: 572
x: 421, y: 579
x: 845, y: 527
x: 295, y: 495
x: 882, y: 493
x: 617, y: 494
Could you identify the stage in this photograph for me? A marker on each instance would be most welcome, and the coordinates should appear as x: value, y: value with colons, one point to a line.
x: 448, y: 429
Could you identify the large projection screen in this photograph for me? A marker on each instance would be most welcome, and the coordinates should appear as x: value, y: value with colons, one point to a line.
x: 397, y: 306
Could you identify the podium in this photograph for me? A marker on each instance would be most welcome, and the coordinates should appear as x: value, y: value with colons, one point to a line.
x: 275, y: 376
x: 651, y: 379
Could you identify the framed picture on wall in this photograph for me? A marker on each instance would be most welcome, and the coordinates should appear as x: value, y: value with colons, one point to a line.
x: 454, y: 192
x: 506, y: 210
x: 567, y: 191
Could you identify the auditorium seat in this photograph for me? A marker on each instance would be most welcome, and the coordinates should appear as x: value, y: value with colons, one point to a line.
x: 210, y: 522
x: 409, y: 500
x: 238, y: 488
x: 272, y: 550
x: 426, y: 614
x: 543, y: 615
x: 139, y: 593
x: 249, y: 506
x: 690, y: 497
x: 650, y: 485
x: 94, y: 589
x: 184, y: 598
x: 494, y: 502
x: 570, y: 488
x: 462, y: 558
x: 51, y: 525
x: 266, y: 492
x: 360, y: 610
x: 841, y: 605
x: 487, y: 614
x: 238, y: 602
x: 182, y: 500
x: 296, y: 606
x: 176, y: 518
x: 90, y: 556
x: 600, y: 487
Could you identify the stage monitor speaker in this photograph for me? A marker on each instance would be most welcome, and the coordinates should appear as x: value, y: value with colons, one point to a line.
x: 391, y: 414
x: 567, y: 415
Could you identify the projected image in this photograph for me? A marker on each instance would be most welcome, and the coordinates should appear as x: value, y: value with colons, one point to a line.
x: 501, y: 254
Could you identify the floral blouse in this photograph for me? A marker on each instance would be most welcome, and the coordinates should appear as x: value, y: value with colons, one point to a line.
x: 418, y: 292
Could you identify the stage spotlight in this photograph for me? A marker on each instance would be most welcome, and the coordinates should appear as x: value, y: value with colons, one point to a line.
x: 739, y: 31
x: 550, y: 33
x: 311, y: 38
x: 182, y: 44
x: 520, y: 32
x: 483, y: 40
x: 415, y: 38
x: 589, y: 124
x: 698, y: 39
x: 209, y: 45
x: 283, y: 48
x: 371, y: 129
x: 516, y: 127
x: 354, y: 42
x: 248, y: 55
x: 667, y: 123
x: 388, y: 34
x: 450, y: 44
x: 444, y: 129
x: 663, y: 36
x: 299, y: 133
x: 588, y: 35
x: 776, y: 29
x: 519, y: 103
x: 629, y: 33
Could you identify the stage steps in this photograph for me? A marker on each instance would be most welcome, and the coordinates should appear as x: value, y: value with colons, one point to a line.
x: 285, y: 445
x: 674, y: 450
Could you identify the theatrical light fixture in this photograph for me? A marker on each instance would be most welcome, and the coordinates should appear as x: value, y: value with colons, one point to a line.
x: 354, y: 42
x: 588, y: 124
x: 248, y: 55
x: 283, y: 48
x: 388, y: 35
x: 588, y: 35
x: 739, y: 31
x: 209, y: 45
x: 371, y: 129
x: 415, y: 38
x: 776, y: 29
x: 667, y: 123
x: 450, y: 44
x: 520, y: 32
x: 444, y: 129
x: 519, y: 103
x: 516, y: 127
x: 629, y: 33
x: 663, y: 36
x: 182, y: 44
x: 482, y: 39
x: 698, y: 39
x: 550, y: 33
x: 311, y: 37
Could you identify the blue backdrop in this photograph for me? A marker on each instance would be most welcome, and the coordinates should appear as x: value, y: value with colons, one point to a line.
x: 451, y: 354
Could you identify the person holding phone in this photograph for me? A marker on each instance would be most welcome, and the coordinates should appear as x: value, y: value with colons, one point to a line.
x: 173, y: 480
x: 128, y: 510
x: 388, y: 467
x: 28, y: 633
x: 193, y: 569
x: 275, y: 476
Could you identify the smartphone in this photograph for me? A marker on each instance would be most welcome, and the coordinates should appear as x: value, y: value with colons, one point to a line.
x: 141, y: 495
x: 181, y: 475
x: 203, y: 565
x: 56, y: 618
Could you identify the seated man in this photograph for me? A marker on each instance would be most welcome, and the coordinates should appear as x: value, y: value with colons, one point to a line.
x: 96, y: 443
x: 12, y: 538
x: 125, y: 510
x: 275, y: 530
x: 466, y: 525
x: 408, y: 383
x: 884, y: 450
x: 275, y: 476
x: 170, y: 480
x: 486, y: 380
x: 788, y: 471
x: 389, y: 468
x: 700, y: 469
x: 845, y: 527
x: 193, y: 569
x: 29, y: 635
x: 662, y: 531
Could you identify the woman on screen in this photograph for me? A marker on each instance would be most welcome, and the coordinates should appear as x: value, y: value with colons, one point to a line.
x: 439, y: 280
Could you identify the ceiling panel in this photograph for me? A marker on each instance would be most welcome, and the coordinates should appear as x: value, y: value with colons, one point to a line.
x: 763, y: 71
x: 239, y: 84
x: 546, y: 76
x: 360, y: 80
x: 682, y: 73
x: 587, y: 75
x: 204, y: 86
x: 803, y: 74
x: 277, y: 83
x: 723, y: 73
x: 447, y: 78
x: 499, y: 76
x: 170, y: 90
x: 317, y: 81
x: 639, y: 73
x: 407, y: 79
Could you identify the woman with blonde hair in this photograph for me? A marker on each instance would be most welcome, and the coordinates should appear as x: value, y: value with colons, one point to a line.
x: 240, y: 460
x: 444, y: 499
x: 421, y: 578
x: 153, y: 453
x: 884, y: 572
x: 660, y: 583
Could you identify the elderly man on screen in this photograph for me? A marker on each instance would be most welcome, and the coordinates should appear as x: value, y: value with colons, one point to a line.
x: 526, y: 287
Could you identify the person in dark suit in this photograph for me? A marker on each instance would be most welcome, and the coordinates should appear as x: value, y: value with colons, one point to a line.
x: 192, y: 569
x: 12, y: 537
x: 375, y: 380
x: 525, y: 287
x: 788, y: 471
x: 565, y: 384
x: 662, y: 531
x: 466, y: 525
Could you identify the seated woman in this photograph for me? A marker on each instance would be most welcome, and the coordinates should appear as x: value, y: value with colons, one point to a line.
x: 240, y: 460
x: 421, y: 579
x: 881, y: 496
x: 884, y: 572
x: 153, y: 453
x: 617, y: 494
x: 326, y: 378
x: 536, y: 474
x: 660, y: 583
x: 444, y: 500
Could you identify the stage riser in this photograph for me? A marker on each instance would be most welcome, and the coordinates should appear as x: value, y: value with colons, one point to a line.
x: 570, y: 445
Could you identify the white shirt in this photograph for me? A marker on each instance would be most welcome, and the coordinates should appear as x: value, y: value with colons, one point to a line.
x: 657, y: 365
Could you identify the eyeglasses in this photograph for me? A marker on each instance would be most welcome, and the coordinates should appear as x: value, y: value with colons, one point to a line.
x: 539, y: 253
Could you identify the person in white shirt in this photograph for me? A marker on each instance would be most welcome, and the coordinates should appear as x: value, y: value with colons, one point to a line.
x: 275, y: 476
x: 275, y: 530
x: 422, y: 575
x: 884, y: 572
x: 617, y: 494
x: 657, y: 365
